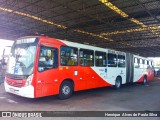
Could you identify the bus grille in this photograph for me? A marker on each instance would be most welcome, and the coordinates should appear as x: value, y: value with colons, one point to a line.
x: 16, y: 83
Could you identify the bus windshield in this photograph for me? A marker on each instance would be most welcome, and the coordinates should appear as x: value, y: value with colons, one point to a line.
x: 21, y: 60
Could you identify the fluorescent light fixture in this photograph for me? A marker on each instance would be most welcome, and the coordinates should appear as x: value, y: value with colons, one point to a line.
x: 137, y: 22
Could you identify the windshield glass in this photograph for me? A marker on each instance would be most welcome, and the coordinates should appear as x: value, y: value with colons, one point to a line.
x: 21, y: 59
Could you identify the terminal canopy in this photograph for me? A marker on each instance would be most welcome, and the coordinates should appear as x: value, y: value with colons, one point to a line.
x: 126, y: 25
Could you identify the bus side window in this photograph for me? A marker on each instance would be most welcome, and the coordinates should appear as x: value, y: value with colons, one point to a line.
x: 121, y: 61
x: 100, y: 59
x: 141, y: 63
x: 145, y: 64
x: 149, y: 65
x: 69, y: 56
x: 112, y: 60
x: 86, y: 57
x: 152, y: 65
x: 136, y: 63
x: 48, y: 58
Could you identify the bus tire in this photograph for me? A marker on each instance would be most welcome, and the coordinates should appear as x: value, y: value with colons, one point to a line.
x: 144, y: 80
x: 118, y: 83
x: 66, y: 90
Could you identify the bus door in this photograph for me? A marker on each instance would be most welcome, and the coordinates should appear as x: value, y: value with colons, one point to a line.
x: 47, y: 71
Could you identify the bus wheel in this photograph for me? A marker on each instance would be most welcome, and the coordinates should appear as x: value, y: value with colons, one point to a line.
x: 66, y: 90
x: 144, y: 80
x: 117, y: 83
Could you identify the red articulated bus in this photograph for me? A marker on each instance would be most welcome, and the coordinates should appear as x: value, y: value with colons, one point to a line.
x: 41, y: 66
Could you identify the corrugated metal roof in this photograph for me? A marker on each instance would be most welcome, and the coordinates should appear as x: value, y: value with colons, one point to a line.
x: 126, y: 25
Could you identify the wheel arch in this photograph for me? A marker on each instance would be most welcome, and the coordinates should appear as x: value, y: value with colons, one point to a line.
x: 119, y: 76
x: 145, y: 76
x: 145, y: 80
x: 66, y: 89
x: 118, y: 82
x: 70, y: 80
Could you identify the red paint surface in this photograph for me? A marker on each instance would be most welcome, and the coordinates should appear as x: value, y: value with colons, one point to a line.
x: 150, y: 75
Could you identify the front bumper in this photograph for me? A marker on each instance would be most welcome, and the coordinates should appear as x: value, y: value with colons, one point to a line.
x: 27, y: 91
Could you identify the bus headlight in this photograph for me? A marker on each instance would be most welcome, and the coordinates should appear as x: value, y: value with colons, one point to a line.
x: 29, y: 80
